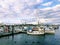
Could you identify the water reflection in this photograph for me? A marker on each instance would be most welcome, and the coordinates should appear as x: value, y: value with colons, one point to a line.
x: 12, y: 39
x: 24, y: 39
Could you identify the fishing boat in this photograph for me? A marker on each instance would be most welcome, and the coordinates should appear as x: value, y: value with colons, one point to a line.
x: 49, y: 31
x: 36, y: 31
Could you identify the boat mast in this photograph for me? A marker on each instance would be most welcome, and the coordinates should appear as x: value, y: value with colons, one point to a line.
x: 37, y: 16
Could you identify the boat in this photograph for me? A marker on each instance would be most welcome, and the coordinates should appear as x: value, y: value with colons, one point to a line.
x: 36, y: 31
x: 49, y: 31
x: 1, y: 30
x: 21, y: 29
x: 17, y: 29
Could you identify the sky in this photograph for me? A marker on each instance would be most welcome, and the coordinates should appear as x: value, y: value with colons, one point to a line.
x: 30, y: 11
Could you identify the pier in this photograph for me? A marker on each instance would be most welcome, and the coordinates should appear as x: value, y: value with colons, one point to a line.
x: 6, y: 30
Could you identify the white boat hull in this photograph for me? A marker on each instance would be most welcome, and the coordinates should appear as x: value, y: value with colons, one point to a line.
x: 35, y: 33
x: 49, y: 31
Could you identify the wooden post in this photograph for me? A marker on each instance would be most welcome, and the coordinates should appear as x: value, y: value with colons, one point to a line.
x: 44, y: 31
x: 12, y: 29
x: 4, y: 28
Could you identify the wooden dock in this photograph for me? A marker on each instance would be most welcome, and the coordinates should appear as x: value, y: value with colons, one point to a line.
x: 9, y: 29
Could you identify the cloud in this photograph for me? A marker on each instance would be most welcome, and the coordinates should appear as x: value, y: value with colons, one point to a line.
x: 47, y: 4
x: 51, y: 13
x: 33, y: 2
x: 19, y: 11
x: 58, y: 0
x: 55, y: 8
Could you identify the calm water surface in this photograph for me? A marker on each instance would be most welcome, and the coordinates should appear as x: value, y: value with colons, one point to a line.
x: 24, y: 39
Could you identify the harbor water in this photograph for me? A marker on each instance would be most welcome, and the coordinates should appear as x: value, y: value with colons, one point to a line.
x: 24, y: 39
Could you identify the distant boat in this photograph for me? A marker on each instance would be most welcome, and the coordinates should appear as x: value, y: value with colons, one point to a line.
x: 49, y: 31
x: 20, y: 29
x: 17, y: 29
x: 36, y: 31
x: 1, y: 30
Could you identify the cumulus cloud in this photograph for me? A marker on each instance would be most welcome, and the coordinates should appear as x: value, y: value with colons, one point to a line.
x: 56, y: 7
x: 33, y: 2
x: 19, y: 11
x: 52, y: 13
x: 47, y: 4
x: 9, y: 9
